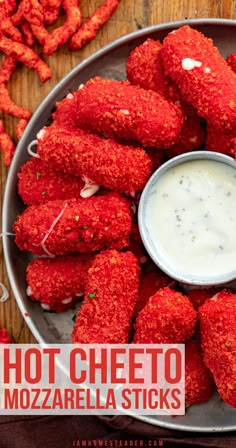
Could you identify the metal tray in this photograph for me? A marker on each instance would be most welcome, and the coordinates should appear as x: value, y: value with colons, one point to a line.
x: 108, y: 62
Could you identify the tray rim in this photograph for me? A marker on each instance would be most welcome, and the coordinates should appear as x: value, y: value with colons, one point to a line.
x: 20, y: 147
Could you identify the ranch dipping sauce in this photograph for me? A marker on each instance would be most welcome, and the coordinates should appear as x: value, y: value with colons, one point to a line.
x: 190, y: 217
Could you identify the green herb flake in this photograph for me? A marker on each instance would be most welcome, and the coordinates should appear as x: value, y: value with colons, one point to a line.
x: 79, y: 239
x: 43, y: 193
x: 74, y: 317
x: 92, y: 295
x: 85, y: 227
x: 38, y: 175
x: 227, y: 345
x: 77, y: 218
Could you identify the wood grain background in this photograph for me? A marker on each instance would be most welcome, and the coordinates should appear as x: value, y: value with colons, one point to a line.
x: 27, y: 91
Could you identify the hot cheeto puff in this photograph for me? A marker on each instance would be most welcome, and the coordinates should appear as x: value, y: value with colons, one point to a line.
x: 202, y: 75
x: 89, y: 29
x: 38, y: 183
x: 4, y: 336
x: 10, y: 6
x: 27, y: 56
x: 7, y: 145
x: 218, y: 337
x: 110, y: 296
x: 145, y: 68
x: 20, y: 127
x: 118, y: 110
x: 33, y: 13
x: 167, y: 318
x: 95, y: 160
x: 61, y: 35
x: 9, y: 107
x: 51, y: 10
x: 57, y: 283
x: 28, y: 34
x: 62, y: 227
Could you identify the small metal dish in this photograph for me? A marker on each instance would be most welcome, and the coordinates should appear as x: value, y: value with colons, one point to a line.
x: 153, y: 247
x: 54, y: 328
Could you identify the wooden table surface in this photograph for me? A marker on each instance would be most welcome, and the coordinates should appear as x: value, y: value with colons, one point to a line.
x: 27, y: 91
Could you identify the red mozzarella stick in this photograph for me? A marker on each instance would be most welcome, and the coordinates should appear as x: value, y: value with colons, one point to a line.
x: 199, y: 383
x: 65, y: 114
x: 202, y: 75
x: 57, y: 284
x: 51, y: 10
x: 167, y: 318
x: 110, y: 296
x: 7, y: 69
x: 38, y: 183
x: 218, y: 338
x: 28, y: 34
x: 104, y: 162
x: 74, y: 225
x: 119, y: 110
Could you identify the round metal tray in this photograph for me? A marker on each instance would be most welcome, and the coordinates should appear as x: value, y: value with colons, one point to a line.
x: 108, y: 62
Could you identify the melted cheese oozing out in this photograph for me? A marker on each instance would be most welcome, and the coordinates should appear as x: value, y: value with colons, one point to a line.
x: 90, y: 188
x: 191, y: 218
x: 190, y: 64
